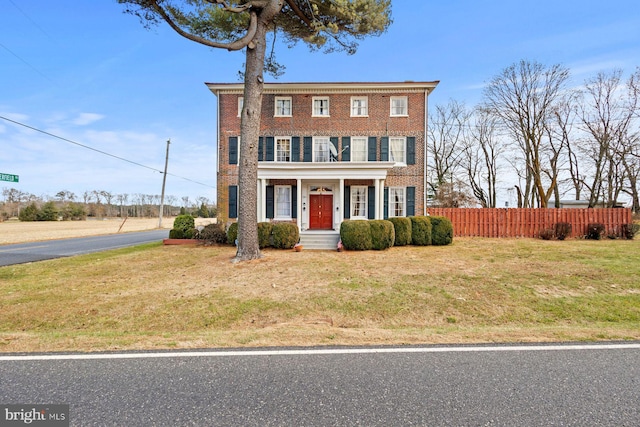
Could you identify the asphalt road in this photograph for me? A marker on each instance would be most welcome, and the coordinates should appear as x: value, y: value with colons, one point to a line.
x: 38, y: 251
x: 562, y: 385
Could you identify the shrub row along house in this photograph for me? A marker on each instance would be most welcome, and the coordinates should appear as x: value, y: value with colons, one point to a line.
x: 328, y: 152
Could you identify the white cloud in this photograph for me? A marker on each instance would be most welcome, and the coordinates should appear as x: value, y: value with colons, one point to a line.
x: 84, y: 119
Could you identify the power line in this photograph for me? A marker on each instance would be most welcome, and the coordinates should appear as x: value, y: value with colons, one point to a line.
x: 100, y: 151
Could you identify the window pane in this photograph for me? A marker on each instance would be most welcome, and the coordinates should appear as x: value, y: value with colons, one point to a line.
x: 397, y: 150
x: 283, y: 202
x: 358, y: 201
x: 283, y: 149
x: 359, y: 106
x: 320, y: 107
x: 399, y: 106
x: 321, y: 149
x: 358, y: 149
x: 396, y: 202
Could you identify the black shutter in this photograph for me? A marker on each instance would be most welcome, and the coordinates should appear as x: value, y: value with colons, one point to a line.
x: 411, y: 150
x: 334, y: 142
x: 269, y: 197
x: 346, y: 149
x: 233, y: 150
x: 270, y: 149
x: 411, y: 201
x: 233, y: 201
x: 347, y: 202
x: 307, y: 149
x: 386, y: 203
x: 372, y: 148
x: 384, y: 149
x: 294, y: 201
x: 371, y: 202
x: 260, y: 149
x: 295, y: 149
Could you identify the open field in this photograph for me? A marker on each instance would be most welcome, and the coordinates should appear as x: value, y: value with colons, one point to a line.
x: 19, y: 232
x: 475, y: 290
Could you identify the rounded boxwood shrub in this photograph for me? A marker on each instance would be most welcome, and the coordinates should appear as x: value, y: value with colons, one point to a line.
x: 382, y: 234
x: 356, y: 235
x: 264, y: 234
x: 441, y: 230
x: 176, y: 234
x: 232, y: 233
x: 402, y: 229
x: 186, y: 223
x: 420, y: 230
x: 285, y: 235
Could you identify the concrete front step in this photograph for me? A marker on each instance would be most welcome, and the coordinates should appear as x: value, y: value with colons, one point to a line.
x: 319, y: 241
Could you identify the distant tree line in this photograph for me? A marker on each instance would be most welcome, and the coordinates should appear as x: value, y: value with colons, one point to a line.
x: 558, y: 142
x: 67, y: 206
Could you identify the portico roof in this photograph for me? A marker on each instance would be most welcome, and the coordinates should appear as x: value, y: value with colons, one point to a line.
x: 324, y: 170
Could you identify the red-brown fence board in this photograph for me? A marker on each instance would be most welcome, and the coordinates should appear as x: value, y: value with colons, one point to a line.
x: 528, y: 222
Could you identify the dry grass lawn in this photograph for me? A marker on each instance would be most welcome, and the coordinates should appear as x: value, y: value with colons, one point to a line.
x: 475, y: 290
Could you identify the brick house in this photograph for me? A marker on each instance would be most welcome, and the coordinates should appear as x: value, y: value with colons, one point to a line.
x: 328, y: 152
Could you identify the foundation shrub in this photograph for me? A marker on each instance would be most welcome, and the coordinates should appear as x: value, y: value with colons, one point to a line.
x: 562, y: 230
x: 402, y: 229
x: 212, y: 233
x: 186, y: 224
x: 356, y: 235
x: 420, y: 231
x: 285, y: 235
x: 382, y: 234
x: 232, y: 233
x: 595, y: 230
x: 264, y: 234
x: 441, y: 231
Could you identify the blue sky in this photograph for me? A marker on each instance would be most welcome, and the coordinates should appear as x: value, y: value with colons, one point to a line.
x: 86, y: 72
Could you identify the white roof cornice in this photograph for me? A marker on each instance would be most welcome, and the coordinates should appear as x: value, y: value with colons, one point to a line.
x: 321, y: 88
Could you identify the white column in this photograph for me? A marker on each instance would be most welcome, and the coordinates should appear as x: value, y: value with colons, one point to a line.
x: 299, y: 203
x: 262, y: 200
x: 381, y: 199
x: 341, y: 202
x: 377, y: 204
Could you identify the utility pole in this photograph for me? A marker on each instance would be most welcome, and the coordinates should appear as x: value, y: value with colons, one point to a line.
x: 164, y: 181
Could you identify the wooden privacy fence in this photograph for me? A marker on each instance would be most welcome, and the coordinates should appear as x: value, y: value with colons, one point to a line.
x: 503, y: 222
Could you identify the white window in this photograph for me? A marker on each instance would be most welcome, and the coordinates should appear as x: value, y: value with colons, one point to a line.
x: 240, y: 105
x: 359, y: 106
x: 358, y: 149
x: 399, y: 106
x: 320, y: 107
x: 359, y: 202
x: 283, y: 149
x: 321, y: 149
x: 283, y: 201
x: 398, y: 150
x: 396, y: 201
x: 283, y: 106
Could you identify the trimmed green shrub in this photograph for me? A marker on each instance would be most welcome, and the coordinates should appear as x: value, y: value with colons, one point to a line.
x: 420, y: 230
x: 184, y: 223
x: 629, y: 231
x: 232, y: 233
x: 562, y: 230
x: 402, y: 229
x: 285, y: 235
x: 356, y: 235
x: 212, y: 233
x: 264, y: 234
x: 595, y: 231
x: 382, y: 234
x: 175, y: 233
x: 441, y: 231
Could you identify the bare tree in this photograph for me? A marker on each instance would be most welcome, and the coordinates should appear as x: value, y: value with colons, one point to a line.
x: 523, y: 96
x: 482, y: 152
x: 446, y: 139
x: 607, y: 115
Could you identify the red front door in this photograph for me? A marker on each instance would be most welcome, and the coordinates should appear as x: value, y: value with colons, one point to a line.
x: 321, y: 213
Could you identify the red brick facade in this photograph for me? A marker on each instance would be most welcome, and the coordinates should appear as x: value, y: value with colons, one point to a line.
x: 339, y: 125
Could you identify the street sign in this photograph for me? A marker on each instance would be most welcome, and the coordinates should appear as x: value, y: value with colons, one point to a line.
x: 8, y: 177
